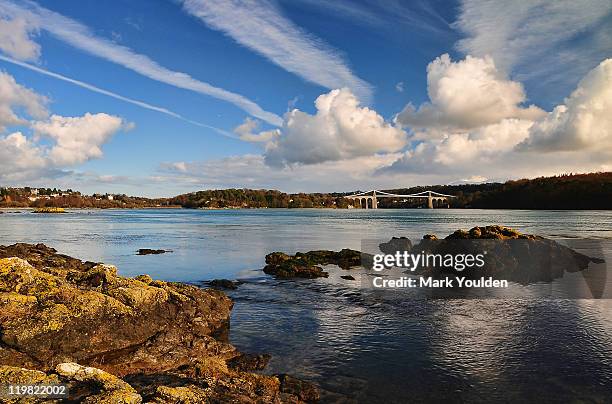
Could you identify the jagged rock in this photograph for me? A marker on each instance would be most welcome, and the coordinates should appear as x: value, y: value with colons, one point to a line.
x: 148, y: 251
x: 102, y: 328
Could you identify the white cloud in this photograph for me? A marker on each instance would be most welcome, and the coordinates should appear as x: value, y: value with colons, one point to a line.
x: 467, y: 94
x: 574, y: 137
x: 259, y: 25
x: 77, y: 139
x: 74, y: 140
x: 584, y: 122
x: 246, y: 132
x: 19, y: 155
x: 252, y: 171
x: 540, y: 39
x: 15, y: 39
x: 14, y: 95
x: 399, y: 87
x: 340, y: 129
x: 80, y: 37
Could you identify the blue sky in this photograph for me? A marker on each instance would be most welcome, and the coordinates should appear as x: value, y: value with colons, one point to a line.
x: 511, y: 90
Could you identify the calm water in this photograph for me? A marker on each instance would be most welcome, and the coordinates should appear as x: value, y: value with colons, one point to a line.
x: 360, y: 345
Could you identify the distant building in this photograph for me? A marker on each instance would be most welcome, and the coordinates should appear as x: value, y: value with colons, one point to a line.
x: 109, y: 197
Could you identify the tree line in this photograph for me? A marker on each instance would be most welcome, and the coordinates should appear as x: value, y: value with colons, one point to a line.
x: 568, y: 191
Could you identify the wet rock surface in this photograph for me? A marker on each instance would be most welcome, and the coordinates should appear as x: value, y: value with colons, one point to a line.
x: 307, y: 265
x: 149, y: 251
x: 116, y: 339
x: 223, y: 284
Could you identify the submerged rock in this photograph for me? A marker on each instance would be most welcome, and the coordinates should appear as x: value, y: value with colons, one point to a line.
x: 246, y: 362
x: 306, y: 265
x: 106, y: 331
x: 148, y: 251
x: 223, y: 284
x: 305, y: 391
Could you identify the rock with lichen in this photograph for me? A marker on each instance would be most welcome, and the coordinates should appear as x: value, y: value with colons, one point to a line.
x: 119, y: 339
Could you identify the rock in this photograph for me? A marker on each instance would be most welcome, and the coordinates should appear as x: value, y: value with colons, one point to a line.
x: 119, y: 339
x: 98, y: 385
x: 347, y: 277
x: 491, y: 232
x: 223, y: 284
x: 85, y: 384
x: 306, y: 392
x: 306, y: 265
x: 295, y: 269
x: 144, y: 279
x: 396, y: 244
x: 510, y: 255
x: 247, y: 362
x: 148, y: 251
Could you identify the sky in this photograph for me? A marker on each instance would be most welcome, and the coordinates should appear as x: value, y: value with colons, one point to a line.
x: 162, y: 97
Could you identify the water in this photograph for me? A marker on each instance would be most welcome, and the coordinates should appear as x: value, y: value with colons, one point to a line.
x: 360, y: 345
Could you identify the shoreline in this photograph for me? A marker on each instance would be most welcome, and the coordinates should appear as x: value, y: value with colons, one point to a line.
x: 110, y: 338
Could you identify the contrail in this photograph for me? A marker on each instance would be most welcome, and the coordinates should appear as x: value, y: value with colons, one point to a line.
x: 115, y: 95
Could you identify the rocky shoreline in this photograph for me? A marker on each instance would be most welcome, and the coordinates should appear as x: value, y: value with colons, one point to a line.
x: 139, y: 340
x: 124, y: 340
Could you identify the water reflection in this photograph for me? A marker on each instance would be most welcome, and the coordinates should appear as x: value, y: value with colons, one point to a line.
x: 364, y: 345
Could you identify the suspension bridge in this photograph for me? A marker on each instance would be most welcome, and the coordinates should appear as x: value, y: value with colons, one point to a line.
x: 369, y: 199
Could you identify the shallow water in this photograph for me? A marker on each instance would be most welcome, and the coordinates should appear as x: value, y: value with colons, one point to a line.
x: 362, y: 345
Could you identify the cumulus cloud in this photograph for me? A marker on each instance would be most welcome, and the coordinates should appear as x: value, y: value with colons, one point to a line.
x: 247, y: 128
x: 74, y: 140
x: 575, y: 136
x: 444, y: 154
x: 18, y: 154
x: 466, y: 94
x: 340, y: 129
x: 15, y: 39
x: 584, y: 122
x: 14, y: 96
x: 78, y: 139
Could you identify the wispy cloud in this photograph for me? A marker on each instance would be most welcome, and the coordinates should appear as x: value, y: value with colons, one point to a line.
x: 551, y: 41
x: 260, y: 26
x: 382, y: 15
x: 114, y: 95
x: 80, y: 37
